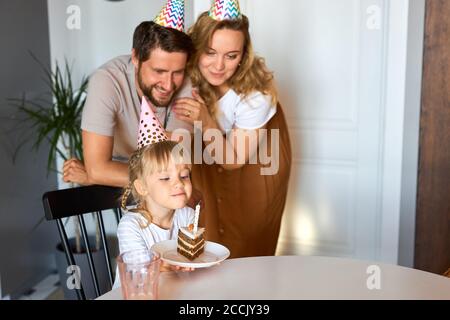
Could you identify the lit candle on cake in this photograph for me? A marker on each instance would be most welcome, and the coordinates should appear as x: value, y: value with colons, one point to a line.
x: 197, y: 213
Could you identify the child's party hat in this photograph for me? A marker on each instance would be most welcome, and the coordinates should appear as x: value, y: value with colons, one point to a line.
x: 172, y: 15
x: 225, y: 10
x: 150, y: 129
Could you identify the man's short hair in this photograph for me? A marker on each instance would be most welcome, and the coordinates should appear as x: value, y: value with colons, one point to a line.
x: 149, y: 35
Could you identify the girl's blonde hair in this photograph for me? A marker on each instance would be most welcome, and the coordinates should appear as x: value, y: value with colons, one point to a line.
x: 252, y: 73
x: 143, y: 162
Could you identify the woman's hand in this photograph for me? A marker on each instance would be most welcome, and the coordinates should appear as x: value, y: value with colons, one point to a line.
x: 74, y: 171
x: 190, y: 110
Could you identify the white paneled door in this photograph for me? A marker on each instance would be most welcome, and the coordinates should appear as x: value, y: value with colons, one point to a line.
x: 330, y: 61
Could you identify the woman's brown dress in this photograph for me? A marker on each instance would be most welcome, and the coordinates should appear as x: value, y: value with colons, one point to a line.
x: 242, y: 208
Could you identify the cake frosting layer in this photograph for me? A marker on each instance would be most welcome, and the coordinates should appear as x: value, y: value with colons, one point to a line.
x: 191, y: 246
x: 192, y: 235
x: 188, y: 243
x: 188, y: 254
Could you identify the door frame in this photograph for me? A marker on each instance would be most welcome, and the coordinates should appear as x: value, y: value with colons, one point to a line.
x: 404, y: 55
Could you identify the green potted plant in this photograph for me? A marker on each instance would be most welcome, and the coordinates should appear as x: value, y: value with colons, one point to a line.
x: 57, y: 120
x: 57, y: 123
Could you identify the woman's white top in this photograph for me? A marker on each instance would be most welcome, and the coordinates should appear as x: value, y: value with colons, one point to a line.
x: 251, y: 112
x: 236, y: 111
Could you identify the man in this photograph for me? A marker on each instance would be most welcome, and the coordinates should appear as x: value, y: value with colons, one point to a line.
x: 155, y: 69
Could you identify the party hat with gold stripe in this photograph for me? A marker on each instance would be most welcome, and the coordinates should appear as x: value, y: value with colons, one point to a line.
x: 172, y: 15
x: 225, y: 10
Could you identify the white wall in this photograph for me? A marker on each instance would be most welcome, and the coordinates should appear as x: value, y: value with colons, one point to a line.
x: 106, y: 29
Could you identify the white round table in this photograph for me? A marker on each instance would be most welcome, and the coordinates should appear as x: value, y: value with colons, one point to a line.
x: 299, y: 277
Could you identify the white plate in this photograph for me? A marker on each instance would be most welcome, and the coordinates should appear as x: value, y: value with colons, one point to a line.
x: 214, y: 253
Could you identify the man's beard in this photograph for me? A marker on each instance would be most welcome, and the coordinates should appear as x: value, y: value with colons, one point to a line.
x: 147, y: 91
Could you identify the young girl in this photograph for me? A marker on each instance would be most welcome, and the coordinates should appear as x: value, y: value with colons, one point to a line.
x: 160, y: 183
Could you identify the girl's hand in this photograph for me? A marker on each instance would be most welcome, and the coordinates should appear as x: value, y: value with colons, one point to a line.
x: 165, y: 267
x: 190, y: 110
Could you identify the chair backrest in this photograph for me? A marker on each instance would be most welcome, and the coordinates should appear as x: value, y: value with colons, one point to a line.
x: 75, y: 202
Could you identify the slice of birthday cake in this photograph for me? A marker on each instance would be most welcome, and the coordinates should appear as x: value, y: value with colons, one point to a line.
x: 191, y: 244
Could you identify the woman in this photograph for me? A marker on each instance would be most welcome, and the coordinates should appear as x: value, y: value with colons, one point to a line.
x: 235, y: 93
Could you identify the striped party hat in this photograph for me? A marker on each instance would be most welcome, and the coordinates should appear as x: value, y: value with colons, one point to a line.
x: 150, y: 129
x: 172, y: 15
x: 225, y: 10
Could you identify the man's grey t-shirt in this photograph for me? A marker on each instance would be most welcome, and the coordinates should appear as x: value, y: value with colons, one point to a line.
x: 113, y: 107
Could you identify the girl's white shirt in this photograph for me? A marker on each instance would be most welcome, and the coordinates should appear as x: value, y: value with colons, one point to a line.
x: 132, y: 237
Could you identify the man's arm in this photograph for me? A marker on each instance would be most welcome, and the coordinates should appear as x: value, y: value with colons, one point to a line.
x: 100, y: 168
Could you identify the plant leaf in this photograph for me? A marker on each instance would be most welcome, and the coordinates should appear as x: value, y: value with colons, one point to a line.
x: 54, y: 117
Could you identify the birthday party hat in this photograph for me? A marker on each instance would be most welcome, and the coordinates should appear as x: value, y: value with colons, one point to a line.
x: 225, y: 10
x: 150, y: 129
x: 172, y: 15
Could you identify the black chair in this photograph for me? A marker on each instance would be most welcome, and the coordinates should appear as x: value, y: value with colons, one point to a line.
x: 66, y: 203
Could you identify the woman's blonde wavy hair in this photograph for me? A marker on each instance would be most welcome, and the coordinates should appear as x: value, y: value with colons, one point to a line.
x: 252, y: 73
x: 143, y: 162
